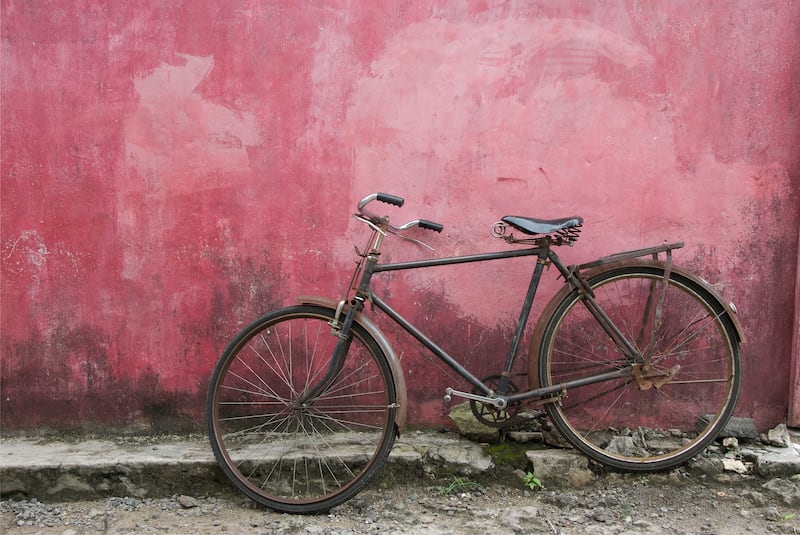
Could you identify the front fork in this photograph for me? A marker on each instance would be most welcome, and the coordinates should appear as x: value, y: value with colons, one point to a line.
x: 341, y: 328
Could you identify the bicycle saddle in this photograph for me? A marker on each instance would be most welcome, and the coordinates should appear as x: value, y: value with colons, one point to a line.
x: 530, y: 225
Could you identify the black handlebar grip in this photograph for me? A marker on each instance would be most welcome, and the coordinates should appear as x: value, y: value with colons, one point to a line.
x: 430, y: 225
x: 391, y: 199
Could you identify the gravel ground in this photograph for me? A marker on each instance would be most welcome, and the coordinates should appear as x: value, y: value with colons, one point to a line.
x: 659, y: 504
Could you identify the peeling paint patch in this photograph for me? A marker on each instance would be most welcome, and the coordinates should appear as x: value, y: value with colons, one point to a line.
x: 181, y: 140
x: 25, y: 252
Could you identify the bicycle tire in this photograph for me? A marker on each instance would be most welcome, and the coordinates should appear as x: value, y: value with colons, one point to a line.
x: 300, y: 459
x: 635, y: 423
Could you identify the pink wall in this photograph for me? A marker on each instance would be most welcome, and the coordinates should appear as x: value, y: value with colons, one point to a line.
x: 172, y: 169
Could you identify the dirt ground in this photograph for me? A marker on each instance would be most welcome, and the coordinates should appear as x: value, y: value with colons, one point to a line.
x: 616, y: 504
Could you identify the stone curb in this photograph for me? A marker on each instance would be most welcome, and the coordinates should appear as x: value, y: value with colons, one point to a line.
x: 160, y: 467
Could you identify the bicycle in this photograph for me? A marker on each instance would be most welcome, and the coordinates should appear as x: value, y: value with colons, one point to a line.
x: 635, y: 361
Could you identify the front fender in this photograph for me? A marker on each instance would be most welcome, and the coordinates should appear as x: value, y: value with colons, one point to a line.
x: 386, y: 347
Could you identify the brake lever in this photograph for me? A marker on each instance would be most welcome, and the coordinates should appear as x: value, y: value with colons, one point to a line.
x: 394, y: 231
x: 371, y: 225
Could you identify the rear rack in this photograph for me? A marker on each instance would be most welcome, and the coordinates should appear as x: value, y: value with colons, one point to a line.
x: 627, y: 255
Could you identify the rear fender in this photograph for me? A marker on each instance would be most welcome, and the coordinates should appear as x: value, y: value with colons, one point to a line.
x: 386, y: 347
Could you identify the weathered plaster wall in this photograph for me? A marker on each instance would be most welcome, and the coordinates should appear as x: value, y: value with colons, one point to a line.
x: 172, y: 169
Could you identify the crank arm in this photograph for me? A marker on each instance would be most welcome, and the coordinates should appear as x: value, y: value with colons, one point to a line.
x: 499, y: 403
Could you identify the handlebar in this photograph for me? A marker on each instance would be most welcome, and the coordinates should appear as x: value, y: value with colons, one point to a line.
x: 384, y: 221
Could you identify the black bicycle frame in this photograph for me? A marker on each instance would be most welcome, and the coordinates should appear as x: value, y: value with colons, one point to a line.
x: 539, y: 252
x: 545, y: 256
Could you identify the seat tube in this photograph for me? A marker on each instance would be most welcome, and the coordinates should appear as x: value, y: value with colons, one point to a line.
x: 541, y: 261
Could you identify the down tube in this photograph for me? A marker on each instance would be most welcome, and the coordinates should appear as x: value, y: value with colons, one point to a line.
x: 430, y: 344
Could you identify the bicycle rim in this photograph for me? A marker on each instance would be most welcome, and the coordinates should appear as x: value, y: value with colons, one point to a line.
x: 656, y: 418
x: 300, y: 459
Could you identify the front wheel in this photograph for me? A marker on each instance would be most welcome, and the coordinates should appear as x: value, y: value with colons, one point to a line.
x: 682, y: 388
x: 281, y: 448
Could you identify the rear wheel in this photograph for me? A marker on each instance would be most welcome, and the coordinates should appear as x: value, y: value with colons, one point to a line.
x: 290, y: 455
x: 661, y: 415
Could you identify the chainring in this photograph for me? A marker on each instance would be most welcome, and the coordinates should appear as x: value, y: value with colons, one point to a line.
x: 491, y: 415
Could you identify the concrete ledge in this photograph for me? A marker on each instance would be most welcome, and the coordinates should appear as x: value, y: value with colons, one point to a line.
x: 162, y: 466
x: 50, y: 470
x: 138, y: 467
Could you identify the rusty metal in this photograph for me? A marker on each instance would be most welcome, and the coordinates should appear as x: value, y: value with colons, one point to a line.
x: 628, y: 255
x: 659, y: 312
x: 647, y: 379
x: 567, y: 236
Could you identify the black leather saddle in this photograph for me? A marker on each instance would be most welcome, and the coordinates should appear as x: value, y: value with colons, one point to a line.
x: 533, y: 226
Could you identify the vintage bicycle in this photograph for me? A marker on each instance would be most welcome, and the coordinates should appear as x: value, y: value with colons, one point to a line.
x: 635, y: 361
